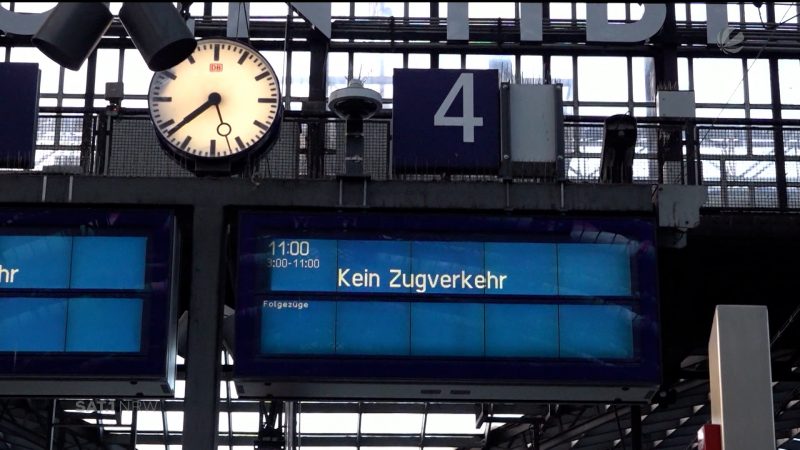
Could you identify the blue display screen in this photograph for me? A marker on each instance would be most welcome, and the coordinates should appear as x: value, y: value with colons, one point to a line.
x: 70, y: 263
x: 445, y: 267
x: 84, y: 292
x: 70, y: 324
x: 385, y: 296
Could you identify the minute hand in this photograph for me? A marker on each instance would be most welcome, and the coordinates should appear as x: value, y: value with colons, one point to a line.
x: 213, y: 99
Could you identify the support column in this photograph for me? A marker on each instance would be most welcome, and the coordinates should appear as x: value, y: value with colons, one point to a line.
x: 354, y: 152
x: 664, y: 77
x: 86, y: 158
x: 775, y: 90
x: 315, y: 106
x: 204, y: 343
x: 636, y: 427
x: 741, y: 377
x: 290, y: 409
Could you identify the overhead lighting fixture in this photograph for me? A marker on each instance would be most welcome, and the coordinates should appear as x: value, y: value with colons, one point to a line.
x: 71, y: 32
x: 159, y: 32
x: 354, y: 104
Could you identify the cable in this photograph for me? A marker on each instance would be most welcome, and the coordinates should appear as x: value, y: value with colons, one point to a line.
x: 785, y: 326
x: 758, y: 55
x: 783, y: 22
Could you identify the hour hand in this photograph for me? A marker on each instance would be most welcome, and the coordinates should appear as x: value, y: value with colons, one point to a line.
x: 213, y: 100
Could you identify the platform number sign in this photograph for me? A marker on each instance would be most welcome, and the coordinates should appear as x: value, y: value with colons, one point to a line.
x: 446, y: 121
x: 465, y: 86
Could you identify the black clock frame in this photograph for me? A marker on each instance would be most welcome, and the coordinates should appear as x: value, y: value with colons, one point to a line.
x: 222, y: 165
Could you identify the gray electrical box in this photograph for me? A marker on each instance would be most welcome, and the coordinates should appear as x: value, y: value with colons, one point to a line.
x: 536, y: 129
x: 675, y: 103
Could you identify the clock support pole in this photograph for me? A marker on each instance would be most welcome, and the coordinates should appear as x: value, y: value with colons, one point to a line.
x: 215, y: 168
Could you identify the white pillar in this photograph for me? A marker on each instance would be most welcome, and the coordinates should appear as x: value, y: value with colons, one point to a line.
x: 741, y: 377
x: 458, y: 21
x: 530, y: 22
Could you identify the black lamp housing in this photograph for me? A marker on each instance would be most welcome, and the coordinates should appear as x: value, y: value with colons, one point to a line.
x: 71, y: 31
x: 159, y: 32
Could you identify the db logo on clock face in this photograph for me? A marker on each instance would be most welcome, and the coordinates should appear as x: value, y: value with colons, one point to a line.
x: 215, y: 67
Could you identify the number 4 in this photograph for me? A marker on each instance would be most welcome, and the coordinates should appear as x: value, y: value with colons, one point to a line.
x: 467, y: 121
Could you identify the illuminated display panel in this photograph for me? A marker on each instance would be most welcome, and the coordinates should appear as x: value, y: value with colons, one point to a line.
x: 86, y: 294
x: 446, y: 298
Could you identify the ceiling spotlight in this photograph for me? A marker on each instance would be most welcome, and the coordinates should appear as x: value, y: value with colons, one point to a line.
x: 354, y: 104
x: 159, y: 32
x: 355, y: 101
x: 71, y: 32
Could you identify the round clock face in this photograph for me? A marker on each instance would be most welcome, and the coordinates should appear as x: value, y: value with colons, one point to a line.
x: 221, y: 102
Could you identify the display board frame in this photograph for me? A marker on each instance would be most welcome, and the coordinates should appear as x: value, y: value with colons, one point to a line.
x: 380, y: 377
x: 151, y: 371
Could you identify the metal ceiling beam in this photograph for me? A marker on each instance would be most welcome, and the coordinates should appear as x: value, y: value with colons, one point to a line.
x: 560, y: 37
x: 33, y: 190
x: 237, y: 405
x: 580, y: 430
x: 248, y: 439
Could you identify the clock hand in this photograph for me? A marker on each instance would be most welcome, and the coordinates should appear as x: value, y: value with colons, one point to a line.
x: 213, y: 100
x: 219, y: 113
x: 223, y: 129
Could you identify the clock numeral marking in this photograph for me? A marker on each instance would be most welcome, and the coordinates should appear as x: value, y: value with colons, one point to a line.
x: 239, y: 143
x: 242, y: 58
x: 212, y: 147
x: 216, y: 52
x: 262, y: 75
x: 190, y: 59
x: 267, y: 100
x: 185, y: 142
x: 263, y: 126
x: 169, y: 75
x: 166, y: 124
x: 162, y: 99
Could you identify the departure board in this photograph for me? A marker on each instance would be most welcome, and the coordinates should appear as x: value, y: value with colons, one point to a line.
x: 31, y: 264
x: 446, y: 298
x: 86, y: 294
